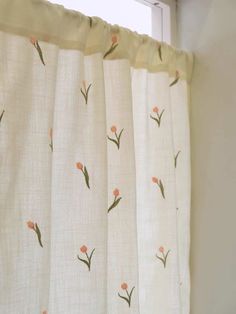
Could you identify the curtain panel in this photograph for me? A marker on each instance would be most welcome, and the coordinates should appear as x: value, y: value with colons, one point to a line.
x: 94, y: 168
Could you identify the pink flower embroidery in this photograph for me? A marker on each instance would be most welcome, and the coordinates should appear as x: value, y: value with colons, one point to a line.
x: 158, y: 116
x: 116, y: 200
x: 117, y: 138
x: 88, y: 259
x: 34, y: 226
x: 160, y: 184
x: 164, y: 256
x: 85, y: 91
x: 84, y: 170
x: 124, y: 286
x: 35, y: 43
x: 114, y: 44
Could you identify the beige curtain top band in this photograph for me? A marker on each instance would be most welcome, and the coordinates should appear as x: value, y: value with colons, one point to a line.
x: 72, y: 30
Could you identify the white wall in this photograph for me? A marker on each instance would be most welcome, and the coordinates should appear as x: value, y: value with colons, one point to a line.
x: 208, y: 28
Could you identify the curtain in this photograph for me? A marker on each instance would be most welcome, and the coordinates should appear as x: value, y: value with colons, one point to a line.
x: 95, y: 166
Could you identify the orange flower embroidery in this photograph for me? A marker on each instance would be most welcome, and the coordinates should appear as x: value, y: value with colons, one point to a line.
x: 117, y: 138
x: 163, y: 259
x: 116, y: 200
x: 114, y: 44
x: 33, y: 226
x: 124, y: 286
x: 35, y: 43
x: 160, y: 184
x: 88, y: 259
x: 84, y: 171
x: 158, y: 116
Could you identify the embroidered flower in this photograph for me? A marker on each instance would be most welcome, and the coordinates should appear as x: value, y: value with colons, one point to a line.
x: 33, y: 226
x: 117, y: 138
x: 88, y: 259
x: 116, y: 200
x: 158, y: 116
x: 85, y: 91
x: 124, y: 286
x: 35, y: 43
x: 160, y: 184
x: 114, y: 44
x: 84, y: 170
x: 177, y: 77
x: 164, y: 256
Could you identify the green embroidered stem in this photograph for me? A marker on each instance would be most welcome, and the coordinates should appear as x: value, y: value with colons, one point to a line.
x: 117, y: 140
x: 89, y: 257
x: 1, y: 116
x: 38, y: 234
x: 112, y: 48
x: 158, y: 118
x: 159, y: 52
x: 85, y: 92
x: 129, y: 296
x: 115, y: 203
x: 164, y: 258
x: 176, y: 157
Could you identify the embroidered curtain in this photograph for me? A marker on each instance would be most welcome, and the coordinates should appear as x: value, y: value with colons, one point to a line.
x: 95, y: 166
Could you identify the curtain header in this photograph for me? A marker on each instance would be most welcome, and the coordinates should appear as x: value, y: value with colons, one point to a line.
x: 72, y: 30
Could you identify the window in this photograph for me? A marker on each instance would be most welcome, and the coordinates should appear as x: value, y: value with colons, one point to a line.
x: 143, y: 16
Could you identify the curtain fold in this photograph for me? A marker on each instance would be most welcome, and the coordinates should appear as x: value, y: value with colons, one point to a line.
x: 95, y: 166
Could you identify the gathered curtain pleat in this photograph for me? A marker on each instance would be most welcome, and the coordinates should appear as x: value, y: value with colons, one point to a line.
x: 94, y: 168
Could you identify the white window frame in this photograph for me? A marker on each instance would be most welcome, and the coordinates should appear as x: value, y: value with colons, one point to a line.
x: 163, y: 19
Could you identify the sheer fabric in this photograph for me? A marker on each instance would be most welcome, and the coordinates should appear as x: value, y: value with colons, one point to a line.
x: 95, y: 168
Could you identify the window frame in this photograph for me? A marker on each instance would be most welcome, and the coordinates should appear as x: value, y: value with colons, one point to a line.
x: 166, y: 20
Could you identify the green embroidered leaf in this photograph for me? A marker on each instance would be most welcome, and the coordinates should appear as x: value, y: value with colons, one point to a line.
x: 87, y: 93
x: 90, y: 21
x: 84, y: 261
x: 176, y: 157
x: 40, y: 52
x: 113, y: 47
x: 130, y: 295
x: 82, y: 92
x: 160, y: 116
x: 174, y: 82
x: 162, y: 189
x: 114, y: 204
x: 166, y: 257
x: 124, y: 298
x: 161, y: 259
x: 159, y: 52
x: 156, y: 119
x: 38, y: 235
x: 119, y: 136
x: 90, y: 257
x: 2, y: 115
x: 114, y: 141
x: 86, y: 176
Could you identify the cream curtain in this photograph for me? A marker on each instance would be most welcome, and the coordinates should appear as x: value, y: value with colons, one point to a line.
x: 95, y: 166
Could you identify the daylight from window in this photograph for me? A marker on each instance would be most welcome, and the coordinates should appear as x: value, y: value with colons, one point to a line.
x: 127, y: 13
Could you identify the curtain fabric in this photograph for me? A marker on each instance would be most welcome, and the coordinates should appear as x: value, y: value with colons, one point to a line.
x: 95, y: 166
